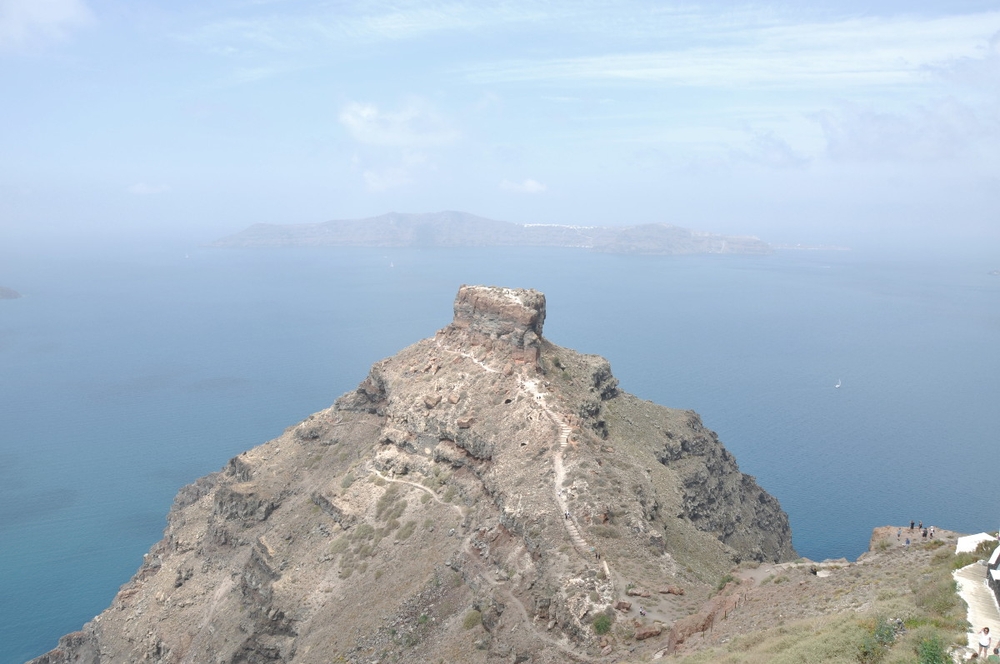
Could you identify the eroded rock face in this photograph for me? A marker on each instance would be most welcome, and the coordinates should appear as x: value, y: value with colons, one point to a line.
x: 482, y: 492
x: 506, y: 319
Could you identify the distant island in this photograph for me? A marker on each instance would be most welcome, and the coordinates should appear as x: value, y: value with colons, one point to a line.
x: 812, y: 247
x: 8, y: 293
x: 461, y: 229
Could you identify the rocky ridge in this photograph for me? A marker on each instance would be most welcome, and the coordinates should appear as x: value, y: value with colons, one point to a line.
x: 482, y: 496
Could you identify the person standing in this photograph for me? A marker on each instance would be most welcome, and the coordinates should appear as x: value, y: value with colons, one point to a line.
x: 984, y: 641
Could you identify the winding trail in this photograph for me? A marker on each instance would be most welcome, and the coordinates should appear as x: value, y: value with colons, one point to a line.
x: 538, y: 395
x: 563, y: 644
x: 534, y: 389
x: 580, y: 544
x: 430, y: 493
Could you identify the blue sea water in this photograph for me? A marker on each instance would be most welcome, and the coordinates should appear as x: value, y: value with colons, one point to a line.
x: 125, y: 375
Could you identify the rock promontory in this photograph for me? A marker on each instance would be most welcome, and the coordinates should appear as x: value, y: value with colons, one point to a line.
x: 484, y: 495
x: 8, y: 293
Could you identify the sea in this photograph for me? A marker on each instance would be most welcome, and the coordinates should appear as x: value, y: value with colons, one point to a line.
x: 126, y: 374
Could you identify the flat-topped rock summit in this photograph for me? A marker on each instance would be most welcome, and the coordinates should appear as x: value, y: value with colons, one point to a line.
x: 507, y: 319
x: 483, y: 496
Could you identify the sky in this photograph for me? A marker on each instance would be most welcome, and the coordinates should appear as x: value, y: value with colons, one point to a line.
x: 858, y: 123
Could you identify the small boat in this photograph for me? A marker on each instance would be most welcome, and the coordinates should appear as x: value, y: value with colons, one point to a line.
x: 838, y: 383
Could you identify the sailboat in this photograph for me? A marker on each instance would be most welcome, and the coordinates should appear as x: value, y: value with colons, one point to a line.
x: 838, y: 383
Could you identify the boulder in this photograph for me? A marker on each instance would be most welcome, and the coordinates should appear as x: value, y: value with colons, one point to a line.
x: 643, y: 632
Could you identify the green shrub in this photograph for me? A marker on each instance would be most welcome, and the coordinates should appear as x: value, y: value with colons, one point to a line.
x: 609, y: 532
x: 347, y: 481
x: 876, y: 643
x: 932, y: 651
x: 472, y: 619
x: 338, y: 545
x: 407, y: 530
x: 962, y: 559
x: 602, y: 624
x: 939, y: 597
x: 385, y: 500
x: 363, y: 532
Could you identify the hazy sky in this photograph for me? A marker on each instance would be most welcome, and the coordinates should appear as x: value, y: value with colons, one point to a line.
x: 838, y: 122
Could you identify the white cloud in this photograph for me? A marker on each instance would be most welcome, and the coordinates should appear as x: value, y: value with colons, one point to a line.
x: 767, y: 149
x: 352, y: 24
x: 392, y: 171
x: 944, y: 130
x: 854, y: 52
x: 143, y: 189
x: 388, y: 178
x: 416, y: 125
x: 24, y: 21
x: 529, y: 186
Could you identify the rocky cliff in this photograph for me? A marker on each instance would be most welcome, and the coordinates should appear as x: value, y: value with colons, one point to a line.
x: 482, y: 496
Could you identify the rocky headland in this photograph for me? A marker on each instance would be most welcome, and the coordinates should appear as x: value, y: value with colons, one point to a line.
x: 8, y: 293
x: 461, y: 229
x: 482, y: 496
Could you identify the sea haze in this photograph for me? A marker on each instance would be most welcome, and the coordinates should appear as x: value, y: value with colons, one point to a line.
x: 126, y: 376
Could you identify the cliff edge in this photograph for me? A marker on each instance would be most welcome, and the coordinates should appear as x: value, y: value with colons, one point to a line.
x: 482, y: 496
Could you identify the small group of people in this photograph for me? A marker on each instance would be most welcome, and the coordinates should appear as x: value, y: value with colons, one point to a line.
x: 925, y: 533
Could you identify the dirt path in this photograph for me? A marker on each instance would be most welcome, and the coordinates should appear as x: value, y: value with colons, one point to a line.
x: 579, y: 543
x: 430, y: 493
x: 563, y: 645
x: 583, y: 548
x: 532, y: 387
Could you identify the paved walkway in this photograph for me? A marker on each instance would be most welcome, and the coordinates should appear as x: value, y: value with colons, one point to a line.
x: 983, y: 609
